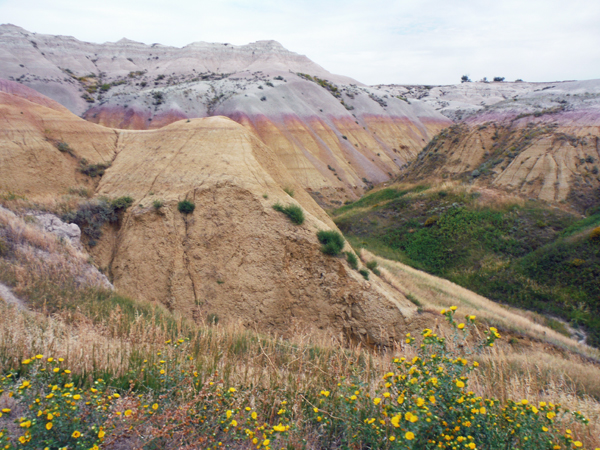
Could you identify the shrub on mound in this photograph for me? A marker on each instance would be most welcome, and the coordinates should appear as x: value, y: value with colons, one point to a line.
x: 186, y: 207
x: 332, y: 241
x: 595, y: 234
x: 294, y: 212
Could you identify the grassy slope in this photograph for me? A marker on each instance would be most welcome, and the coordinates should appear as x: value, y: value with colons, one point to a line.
x: 101, y: 334
x: 519, y: 253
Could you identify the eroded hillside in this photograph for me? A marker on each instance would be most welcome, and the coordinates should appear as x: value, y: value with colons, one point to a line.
x: 233, y: 256
x: 334, y: 135
x: 542, y: 142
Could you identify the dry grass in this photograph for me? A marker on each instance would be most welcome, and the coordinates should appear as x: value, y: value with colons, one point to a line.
x: 436, y: 293
x: 101, y: 335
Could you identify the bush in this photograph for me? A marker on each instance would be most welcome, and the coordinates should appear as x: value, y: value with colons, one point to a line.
x: 372, y: 266
x: 352, y: 260
x: 364, y: 273
x: 186, y: 207
x: 157, y: 204
x: 92, y: 170
x: 289, y: 191
x: 294, y: 212
x: 595, y: 234
x: 499, y: 79
x: 92, y: 215
x: 332, y: 241
x: 121, y: 203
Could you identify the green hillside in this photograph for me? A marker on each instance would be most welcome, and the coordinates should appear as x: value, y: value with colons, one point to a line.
x: 525, y: 254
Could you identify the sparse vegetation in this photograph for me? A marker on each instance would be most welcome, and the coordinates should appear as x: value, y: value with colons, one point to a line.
x: 186, y: 207
x: 364, y: 273
x: 372, y: 266
x: 352, y: 260
x: 294, y: 212
x: 93, y: 214
x: 289, y: 191
x: 92, y: 170
x: 158, y: 204
x: 332, y: 241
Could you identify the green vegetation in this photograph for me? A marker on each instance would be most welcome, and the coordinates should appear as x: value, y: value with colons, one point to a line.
x: 372, y: 266
x: 332, y: 241
x: 352, y: 260
x: 92, y: 170
x: 289, y: 191
x: 186, y: 207
x: 525, y: 255
x: 294, y: 212
x: 93, y: 214
x: 409, y: 408
x: 158, y: 204
x: 364, y: 273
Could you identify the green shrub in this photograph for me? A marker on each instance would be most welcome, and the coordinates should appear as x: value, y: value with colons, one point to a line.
x: 157, y: 204
x: 595, y: 234
x: 332, y: 241
x: 186, y: 207
x: 121, y: 203
x: 92, y: 215
x: 364, y: 273
x: 294, y: 212
x: 372, y: 266
x: 352, y: 260
x: 92, y: 170
x: 289, y: 191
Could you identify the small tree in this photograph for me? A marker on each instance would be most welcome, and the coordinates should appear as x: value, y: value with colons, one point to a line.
x: 499, y: 79
x: 465, y: 79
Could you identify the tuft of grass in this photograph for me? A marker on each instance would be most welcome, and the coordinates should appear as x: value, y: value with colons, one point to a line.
x: 372, y: 266
x: 294, y: 212
x: 352, y: 260
x: 158, y: 204
x: 364, y: 273
x: 186, y: 207
x: 289, y: 191
x: 332, y: 241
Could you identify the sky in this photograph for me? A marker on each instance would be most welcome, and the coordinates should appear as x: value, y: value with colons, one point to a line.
x: 374, y: 42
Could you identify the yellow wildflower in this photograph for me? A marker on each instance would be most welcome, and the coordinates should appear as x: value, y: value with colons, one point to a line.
x: 76, y: 434
x: 409, y: 436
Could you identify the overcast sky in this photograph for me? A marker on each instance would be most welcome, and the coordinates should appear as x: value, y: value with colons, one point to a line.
x: 374, y: 41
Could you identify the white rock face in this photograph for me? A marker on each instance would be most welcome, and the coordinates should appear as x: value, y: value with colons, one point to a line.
x: 68, y: 231
x: 461, y: 101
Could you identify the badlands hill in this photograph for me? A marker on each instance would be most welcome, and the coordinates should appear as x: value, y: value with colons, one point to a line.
x: 234, y: 257
x: 334, y: 135
x: 539, y: 140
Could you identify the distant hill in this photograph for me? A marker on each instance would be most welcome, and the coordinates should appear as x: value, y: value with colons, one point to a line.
x: 335, y: 135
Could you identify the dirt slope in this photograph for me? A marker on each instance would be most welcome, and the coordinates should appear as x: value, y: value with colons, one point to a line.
x: 234, y: 256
